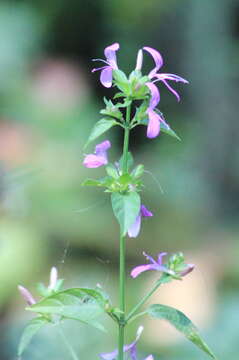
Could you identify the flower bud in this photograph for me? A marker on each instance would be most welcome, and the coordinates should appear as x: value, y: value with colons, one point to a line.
x: 26, y: 295
x: 53, y: 278
x: 139, y: 61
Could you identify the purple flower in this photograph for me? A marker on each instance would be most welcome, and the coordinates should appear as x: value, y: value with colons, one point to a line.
x: 155, y: 265
x: 155, y: 119
x: 99, y: 158
x: 26, y: 295
x: 162, y: 76
x: 134, y: 229
x: 175, y: 267
x: 130, y: 349
x: 106, y: 75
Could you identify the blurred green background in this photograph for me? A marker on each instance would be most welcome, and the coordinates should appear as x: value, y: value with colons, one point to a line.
x: 49, y: 100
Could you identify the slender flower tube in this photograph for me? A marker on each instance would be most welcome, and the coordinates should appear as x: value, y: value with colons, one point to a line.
x: 99, y: 158
x: 157, y: 57
x: 130, y: 349
x: 26, y: 295
x: 106, y: 75
x: 134, y: 229
x: 53, y: 278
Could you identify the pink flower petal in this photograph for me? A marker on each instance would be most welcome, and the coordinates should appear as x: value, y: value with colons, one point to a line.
x: 171, y: 89
x: 94, y: 161
x: 141, y: 268
x: 111, y: 56
x: 106, y: 76
x: 134, y: 229
x: 145, y: 212
x: 155, y: 95
x: 153, y: 128
x: 157, y: 59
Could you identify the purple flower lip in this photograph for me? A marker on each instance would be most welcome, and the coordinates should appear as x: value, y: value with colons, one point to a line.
x: 130, y: 349
x: 106, y: 75
x: 155, y: 265
x: 26, y: 295
x: 99, y: 158
x: 134, y: 229
x: 158, y: 60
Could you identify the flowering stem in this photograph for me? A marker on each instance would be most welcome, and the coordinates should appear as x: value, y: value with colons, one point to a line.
x: 142, y: 301
x: 122, y: 246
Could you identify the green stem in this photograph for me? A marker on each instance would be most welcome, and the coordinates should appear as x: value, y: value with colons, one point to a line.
x: 68, y: 345
x: 122, y: 246
x: 142, y: 302
x: 126, y: 139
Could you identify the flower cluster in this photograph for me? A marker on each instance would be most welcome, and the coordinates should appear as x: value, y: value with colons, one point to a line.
x: 107, y: 74
x: 138, y: 87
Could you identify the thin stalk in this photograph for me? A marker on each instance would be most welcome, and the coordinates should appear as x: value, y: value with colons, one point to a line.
x: 122, y: 246
x: 68, y: 345
x: 126, y: 139
x: 142, y: 302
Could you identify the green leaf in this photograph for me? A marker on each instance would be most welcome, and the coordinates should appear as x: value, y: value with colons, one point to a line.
x: 120, y: 76
x: 130, y: 161
x: 118, y: 95
x: 100, y: 128
x: 169, y: 131
x: 112, y: 171
x: 30, y: 330
x: 138, y: 171
x: 126, y: 208
x: 106, y: 181
x: 92, y: 182
x: 80, y: 304
x: 181, y: 322
x: 121, y: 81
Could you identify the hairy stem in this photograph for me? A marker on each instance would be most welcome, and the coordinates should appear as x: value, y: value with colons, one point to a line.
x: 122, y: 246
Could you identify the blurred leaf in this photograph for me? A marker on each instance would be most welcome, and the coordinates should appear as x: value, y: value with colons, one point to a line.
x: 169, y: 131
x: 126, y: 208
x: 181, y: 322
x: 30, y: 330
x: 106, y: 181
x: 138, y: 171
x: 112, y: 171
x: 100, y: 128
x: 78, y: 304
